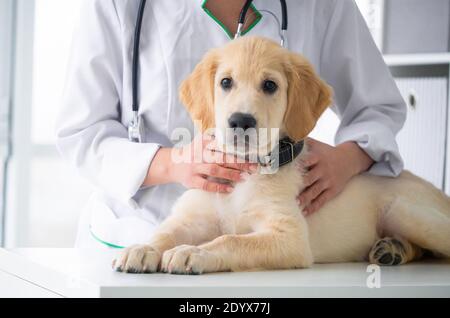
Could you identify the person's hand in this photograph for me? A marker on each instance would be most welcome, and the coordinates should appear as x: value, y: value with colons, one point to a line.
x: 328, y: 169
x: 198, y: 166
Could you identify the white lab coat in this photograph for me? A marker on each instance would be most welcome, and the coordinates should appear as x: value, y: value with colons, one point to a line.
x: 92, y: 126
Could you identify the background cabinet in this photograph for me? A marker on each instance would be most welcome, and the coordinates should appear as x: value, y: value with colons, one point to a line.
x: 423, y: 80
x: 422, y: 139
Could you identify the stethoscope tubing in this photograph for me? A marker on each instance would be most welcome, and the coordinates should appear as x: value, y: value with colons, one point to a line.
x: 136, y: 55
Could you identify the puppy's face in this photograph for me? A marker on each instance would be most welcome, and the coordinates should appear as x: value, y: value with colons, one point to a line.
x: 253, y: 87
x: 250, y: 94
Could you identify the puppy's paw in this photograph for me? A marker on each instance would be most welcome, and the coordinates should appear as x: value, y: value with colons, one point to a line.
x: 388, y: 251
x: 191, y: 260
x: 138, y: 259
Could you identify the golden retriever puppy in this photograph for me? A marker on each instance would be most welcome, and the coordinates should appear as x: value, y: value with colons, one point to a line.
x: 388, y: 221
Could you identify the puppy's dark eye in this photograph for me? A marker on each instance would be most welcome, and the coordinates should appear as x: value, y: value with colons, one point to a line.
x: 269, y: 87
x: 226, y: 83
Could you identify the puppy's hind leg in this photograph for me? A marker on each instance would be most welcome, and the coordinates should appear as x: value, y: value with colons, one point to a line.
x: 424, y: 226
x: 394, y: 251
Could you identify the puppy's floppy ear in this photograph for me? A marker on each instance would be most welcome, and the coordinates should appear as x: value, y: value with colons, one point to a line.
x: 197, y: 91
x: 308, y: 97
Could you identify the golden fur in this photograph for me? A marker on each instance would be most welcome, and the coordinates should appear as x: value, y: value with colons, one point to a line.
x: 259, y: 225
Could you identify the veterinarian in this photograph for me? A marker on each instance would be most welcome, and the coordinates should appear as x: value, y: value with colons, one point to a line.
x: 137, y: 183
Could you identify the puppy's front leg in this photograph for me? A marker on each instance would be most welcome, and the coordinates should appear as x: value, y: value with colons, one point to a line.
x: 281, y: 245
x: 193, y: 221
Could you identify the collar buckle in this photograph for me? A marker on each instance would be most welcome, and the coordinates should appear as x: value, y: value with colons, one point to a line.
x: 286, y: 152
x: 291, y: 145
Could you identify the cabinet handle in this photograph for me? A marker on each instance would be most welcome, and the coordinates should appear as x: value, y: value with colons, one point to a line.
x: 412, y: 100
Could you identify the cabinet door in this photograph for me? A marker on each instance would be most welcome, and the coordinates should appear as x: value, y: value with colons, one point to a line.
x: 422, y: 140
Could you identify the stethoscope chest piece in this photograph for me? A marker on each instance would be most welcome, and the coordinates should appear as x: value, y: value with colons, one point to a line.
x: 136, y: 129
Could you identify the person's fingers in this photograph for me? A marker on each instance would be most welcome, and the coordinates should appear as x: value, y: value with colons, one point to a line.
x: 312, y: 176
x: 210, y: 186
x: 243, y: 167
x: 214, y: 170
x: 215, y: 156
x: 311, y: 193
x: 226, y: 159
x: 310, y: 160
x: 231, y: 162
x: 318, y: 203
x: 312, y: 142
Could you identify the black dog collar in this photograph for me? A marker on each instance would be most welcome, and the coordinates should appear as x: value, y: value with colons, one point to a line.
x: 285, y: 153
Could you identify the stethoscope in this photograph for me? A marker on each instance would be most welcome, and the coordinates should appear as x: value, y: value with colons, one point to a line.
x: 136, y: 126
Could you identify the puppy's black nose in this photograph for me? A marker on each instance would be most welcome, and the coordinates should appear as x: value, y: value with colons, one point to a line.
x: 241, y: 120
